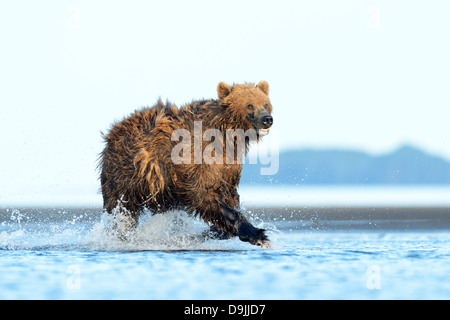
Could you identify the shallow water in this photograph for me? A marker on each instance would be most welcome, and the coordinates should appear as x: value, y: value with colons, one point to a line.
x: 69, y: 254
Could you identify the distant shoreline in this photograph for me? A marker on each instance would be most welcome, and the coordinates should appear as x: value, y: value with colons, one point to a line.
x: 407, y: 165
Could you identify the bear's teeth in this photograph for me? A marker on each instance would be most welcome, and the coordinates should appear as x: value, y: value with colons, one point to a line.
x: 263, y: 132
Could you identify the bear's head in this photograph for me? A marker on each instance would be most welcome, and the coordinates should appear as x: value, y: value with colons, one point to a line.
x: 249, y: 103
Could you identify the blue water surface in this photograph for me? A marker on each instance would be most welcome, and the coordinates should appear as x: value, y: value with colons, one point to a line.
x: 76, y: 258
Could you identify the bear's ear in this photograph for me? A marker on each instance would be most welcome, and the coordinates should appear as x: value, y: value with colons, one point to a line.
x: 223, y: 90
x: 264, y: 87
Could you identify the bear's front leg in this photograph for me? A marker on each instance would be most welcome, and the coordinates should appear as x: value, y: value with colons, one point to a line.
x: 218, y: 206
x: 243, y: 228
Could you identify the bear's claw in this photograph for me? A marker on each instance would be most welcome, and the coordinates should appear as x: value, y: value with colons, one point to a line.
x: 264, y: 244
x: 255, y: 236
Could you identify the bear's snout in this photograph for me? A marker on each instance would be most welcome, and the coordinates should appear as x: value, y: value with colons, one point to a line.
x: 267, y: 121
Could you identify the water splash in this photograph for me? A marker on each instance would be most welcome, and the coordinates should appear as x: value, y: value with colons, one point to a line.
x: 93, y: 230
x: 174, y: 230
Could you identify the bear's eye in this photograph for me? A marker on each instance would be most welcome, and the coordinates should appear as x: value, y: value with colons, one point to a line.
x: 250, y: 107
x: 266, y: 106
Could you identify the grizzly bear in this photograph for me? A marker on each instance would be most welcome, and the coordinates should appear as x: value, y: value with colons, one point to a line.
x: 138, y: 169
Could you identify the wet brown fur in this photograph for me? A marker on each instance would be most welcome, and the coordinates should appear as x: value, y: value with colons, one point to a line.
x: 137, y: 170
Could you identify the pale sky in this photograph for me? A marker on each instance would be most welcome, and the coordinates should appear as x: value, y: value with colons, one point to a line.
x: 367, y: 75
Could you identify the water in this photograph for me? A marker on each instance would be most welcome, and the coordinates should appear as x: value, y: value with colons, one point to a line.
x: 69, y: 254
x: 347, y: 195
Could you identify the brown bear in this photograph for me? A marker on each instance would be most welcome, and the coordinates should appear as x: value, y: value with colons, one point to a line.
x: 138, y: 169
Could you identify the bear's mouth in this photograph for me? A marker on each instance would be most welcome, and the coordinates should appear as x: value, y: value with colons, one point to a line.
x: 263, y: 132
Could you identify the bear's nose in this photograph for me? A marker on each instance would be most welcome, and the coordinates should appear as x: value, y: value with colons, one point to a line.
x: 267, y: 121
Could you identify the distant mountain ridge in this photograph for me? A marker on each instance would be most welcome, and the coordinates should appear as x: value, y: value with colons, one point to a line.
x: 405, y: 166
